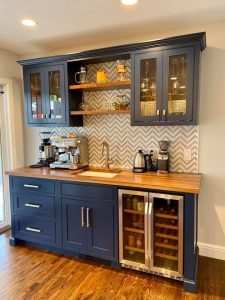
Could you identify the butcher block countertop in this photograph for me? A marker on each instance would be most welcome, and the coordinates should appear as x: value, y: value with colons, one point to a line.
x: 177, y: 182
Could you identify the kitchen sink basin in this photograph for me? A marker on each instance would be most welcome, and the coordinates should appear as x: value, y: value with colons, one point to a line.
x: 103, y: 174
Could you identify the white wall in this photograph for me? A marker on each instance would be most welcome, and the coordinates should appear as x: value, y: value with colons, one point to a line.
x: 211, y: 229
x: 11, y: 72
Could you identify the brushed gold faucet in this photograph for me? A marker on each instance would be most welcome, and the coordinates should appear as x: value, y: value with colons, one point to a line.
x: 108, y: 162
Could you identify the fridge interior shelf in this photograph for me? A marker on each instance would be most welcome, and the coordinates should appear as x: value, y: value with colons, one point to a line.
x: 135, y: 249
x: 167, y: 216
x: 166, y: 226
x: 166, y: 256
x: 131, y: 211
x: 134, y: 230
x: 167, y: 246
x: 172, y: 237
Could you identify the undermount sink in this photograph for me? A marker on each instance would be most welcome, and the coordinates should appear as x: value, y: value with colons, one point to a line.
x: 98, y: 174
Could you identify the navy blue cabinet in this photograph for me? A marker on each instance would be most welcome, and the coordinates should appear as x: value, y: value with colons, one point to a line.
x: 100, y: 228
x: 74, y: 231
x: 165, y: 85
x: 45, y: 95
x: 90, y: 220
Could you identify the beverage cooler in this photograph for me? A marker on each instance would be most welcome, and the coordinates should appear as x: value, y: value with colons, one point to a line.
x: 151, y: 232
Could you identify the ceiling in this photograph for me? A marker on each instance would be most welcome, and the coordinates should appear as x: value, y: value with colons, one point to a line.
x: 70, y: 23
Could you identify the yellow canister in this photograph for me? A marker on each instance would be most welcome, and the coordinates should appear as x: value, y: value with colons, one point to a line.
x: 101, y: 77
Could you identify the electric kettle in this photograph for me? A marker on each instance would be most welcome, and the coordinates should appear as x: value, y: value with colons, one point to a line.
x: 143, y: 162
x: 139, y: 162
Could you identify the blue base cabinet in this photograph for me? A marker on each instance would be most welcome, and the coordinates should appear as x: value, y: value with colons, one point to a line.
x: 82, y: 218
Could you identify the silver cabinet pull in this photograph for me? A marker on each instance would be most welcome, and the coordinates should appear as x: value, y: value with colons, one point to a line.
x: 88, y: 219
x: 164, y: 112
x: 158, y: 112
x: 150, y: 234
x: 33, y: 205
x: 33, y: 229
x: 82, y: 217
x: 31, y: 186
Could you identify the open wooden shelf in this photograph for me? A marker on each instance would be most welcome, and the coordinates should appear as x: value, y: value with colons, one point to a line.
x: 135, y: 249
x: 131, y: 211
x: 134, y: 230
x: 98, y: 112
x: 101, y: 86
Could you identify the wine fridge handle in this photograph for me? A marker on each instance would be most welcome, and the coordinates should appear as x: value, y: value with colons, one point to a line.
x: 146, y: 233
x: 150, y: 220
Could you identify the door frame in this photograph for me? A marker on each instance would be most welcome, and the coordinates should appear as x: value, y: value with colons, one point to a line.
x: 9, y: 139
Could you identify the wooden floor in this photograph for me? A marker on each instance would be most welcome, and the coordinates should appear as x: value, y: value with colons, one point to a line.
x: 27, y: 273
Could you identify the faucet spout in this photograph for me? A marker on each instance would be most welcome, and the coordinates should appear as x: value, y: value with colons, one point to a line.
x: 105, y: 146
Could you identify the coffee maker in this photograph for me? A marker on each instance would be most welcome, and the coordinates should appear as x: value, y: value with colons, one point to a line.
x: 46, y: 151
x: 163, y: 157
x: 71, y: 153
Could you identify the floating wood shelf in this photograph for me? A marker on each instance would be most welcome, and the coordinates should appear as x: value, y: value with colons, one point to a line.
x: 131, y: 211
x: 134, y: 249
x: 101, y: 86
x: 98, y: 112
x: 134, y: 230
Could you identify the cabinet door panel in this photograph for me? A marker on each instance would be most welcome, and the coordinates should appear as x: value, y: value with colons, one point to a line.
x: 178, y: 84
x: 148, y: 86
x: 35, y: 95
x: 101, y: 229
x: 74, y: 235
x: 55, y: 94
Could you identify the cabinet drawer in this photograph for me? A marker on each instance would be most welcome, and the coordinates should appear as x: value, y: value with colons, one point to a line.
x: 87, y: 191
x: 35, y: 229
x: 33, y: 184
x: 36, y: 205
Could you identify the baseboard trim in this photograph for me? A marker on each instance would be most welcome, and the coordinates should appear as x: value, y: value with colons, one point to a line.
x: 213, y: 251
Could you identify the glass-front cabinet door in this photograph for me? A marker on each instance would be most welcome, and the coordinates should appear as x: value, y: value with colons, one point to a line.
x: 167, y: 234
x: 55, y: 94
x: 133, y: 228
x: 178, y: 84
x: 148, y: 86
x: 45, y: 95
x: 35, y: 95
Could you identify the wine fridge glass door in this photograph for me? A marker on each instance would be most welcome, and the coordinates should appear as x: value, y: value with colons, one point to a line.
x: 167, y: 234
x: 133, y: 229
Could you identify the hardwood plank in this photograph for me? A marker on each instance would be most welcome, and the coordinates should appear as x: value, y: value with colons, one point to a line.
x: 28, y: 273
x: 100, y: 86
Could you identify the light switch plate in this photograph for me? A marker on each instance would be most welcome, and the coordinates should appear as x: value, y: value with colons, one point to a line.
x: 187, y: 154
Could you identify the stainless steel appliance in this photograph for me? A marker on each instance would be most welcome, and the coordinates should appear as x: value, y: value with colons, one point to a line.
x: 163, y: 162
x: 46, y: 150
x: 72, y: 153
x: 139, y: 162
x: 151, y: 232
x: 143, y: 162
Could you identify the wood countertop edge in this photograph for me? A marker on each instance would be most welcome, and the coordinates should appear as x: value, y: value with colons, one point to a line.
x: 171, y: 184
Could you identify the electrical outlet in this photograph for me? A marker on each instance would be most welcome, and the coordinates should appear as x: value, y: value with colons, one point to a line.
x: 187, y: 154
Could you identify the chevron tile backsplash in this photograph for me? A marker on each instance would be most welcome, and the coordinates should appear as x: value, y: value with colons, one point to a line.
x: 124, y: 140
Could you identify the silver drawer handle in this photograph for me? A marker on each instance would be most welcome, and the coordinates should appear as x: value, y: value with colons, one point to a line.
x: 33, y: 205
x: 82, y: 217
x: 31, y: 186
x: 88, y: 220
x: 33, y: 229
